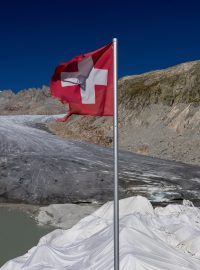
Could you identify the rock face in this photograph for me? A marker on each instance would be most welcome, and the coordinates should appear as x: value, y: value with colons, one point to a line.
x: 30, y: 101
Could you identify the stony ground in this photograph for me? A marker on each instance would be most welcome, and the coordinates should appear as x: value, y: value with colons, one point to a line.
x: 158, y: 130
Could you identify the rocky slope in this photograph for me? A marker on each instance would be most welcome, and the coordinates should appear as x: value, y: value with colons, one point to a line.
x: 159, y: 114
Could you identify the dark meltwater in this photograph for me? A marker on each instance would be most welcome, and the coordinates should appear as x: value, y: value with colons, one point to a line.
x: 18, y: 233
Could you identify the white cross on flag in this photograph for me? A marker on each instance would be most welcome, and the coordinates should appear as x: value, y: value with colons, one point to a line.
x: 86, y: 83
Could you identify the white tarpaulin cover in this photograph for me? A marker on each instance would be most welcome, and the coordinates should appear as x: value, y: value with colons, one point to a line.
x: 150, y: 239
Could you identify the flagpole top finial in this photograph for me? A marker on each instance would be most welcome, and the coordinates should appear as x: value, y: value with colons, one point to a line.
x: 114, y: 39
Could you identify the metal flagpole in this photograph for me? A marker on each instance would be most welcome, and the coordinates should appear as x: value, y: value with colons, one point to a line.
x: 116, y: 199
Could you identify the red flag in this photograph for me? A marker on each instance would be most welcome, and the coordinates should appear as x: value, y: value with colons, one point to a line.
x: 86, y: 83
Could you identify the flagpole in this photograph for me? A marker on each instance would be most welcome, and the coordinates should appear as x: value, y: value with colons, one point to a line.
x: 116, y: 189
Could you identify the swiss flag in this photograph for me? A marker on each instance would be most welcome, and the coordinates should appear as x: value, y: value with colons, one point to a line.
x: 86, y: 83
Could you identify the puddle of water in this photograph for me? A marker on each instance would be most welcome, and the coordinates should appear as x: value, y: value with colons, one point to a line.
x: 18, y: 233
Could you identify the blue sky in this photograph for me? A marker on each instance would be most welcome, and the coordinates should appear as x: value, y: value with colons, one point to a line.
x: 37, y: 35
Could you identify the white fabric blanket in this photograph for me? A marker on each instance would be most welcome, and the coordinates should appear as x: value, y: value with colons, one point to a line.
x: 150, y: 239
